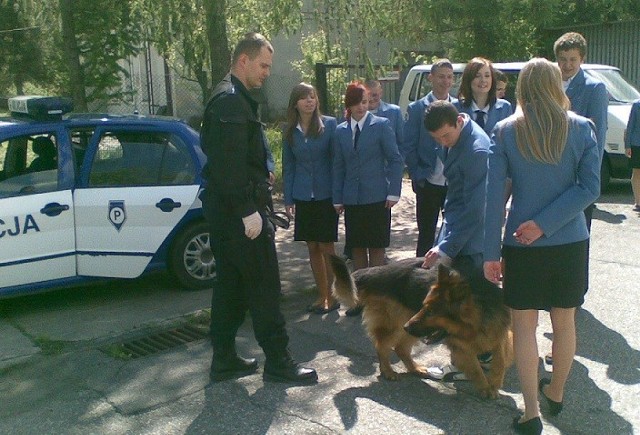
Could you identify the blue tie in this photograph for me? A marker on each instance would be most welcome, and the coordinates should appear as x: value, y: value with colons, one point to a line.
x: 480, y: 118
x: 357, y: 136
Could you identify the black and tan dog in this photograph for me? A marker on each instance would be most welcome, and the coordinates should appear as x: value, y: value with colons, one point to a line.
x: 476, y: 321
x: 391, y: 295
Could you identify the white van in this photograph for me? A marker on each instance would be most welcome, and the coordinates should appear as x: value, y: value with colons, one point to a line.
x: 622, y: 94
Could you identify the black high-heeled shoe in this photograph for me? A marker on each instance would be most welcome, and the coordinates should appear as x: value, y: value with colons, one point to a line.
x: 533, y: 426
x: 554, y: 407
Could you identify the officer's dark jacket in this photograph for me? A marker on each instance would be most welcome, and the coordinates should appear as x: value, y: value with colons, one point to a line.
x: 233, y: 140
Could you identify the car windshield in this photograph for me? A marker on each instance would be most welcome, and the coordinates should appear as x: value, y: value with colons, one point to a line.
x: 620, y: 90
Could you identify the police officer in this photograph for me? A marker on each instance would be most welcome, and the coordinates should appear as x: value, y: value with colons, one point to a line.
x: 242, y: 238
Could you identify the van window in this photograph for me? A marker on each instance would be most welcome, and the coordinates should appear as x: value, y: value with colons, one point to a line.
x: 620, y: 90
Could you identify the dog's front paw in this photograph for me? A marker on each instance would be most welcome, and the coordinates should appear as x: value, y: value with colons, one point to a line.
x: 390, y: 375
x: 489, y: 392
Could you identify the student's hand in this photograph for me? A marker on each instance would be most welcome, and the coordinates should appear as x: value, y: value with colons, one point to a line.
x: 252, y: 225
x: 290, y: 210
x: 493, y: 271
x: 628, y: 152
x: 339, y: 208
x: 527, y: 233
x: 390, y: 203
x: 431, y: 257
x: 272, y: 178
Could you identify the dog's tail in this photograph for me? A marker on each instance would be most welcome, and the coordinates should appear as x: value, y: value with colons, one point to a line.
x: 344, y: 288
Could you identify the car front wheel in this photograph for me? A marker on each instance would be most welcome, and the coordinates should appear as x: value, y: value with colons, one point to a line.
x: 191, y: 259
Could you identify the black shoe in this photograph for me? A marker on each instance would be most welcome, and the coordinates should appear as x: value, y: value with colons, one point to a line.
x: 354, y: 311
x: 533, y: 426
x: 554, y: 407
x: 231, y: 367
x: 287, y: 370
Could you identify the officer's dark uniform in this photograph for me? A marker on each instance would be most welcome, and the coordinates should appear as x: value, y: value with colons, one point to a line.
x: 236, y: 173
x: 248, y: 276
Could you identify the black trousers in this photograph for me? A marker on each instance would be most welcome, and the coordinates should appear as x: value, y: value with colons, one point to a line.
x: 429, y: 203
x: 248, y: 280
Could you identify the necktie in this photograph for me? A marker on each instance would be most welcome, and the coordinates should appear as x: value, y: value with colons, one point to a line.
x: 357, y: 136
x: 480, y: 118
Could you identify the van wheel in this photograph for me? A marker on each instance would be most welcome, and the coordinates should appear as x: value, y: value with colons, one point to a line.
x: 605, y: 174
x: 191, y: 259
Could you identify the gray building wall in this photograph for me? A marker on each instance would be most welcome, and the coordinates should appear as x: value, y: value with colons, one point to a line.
x: 616, y: 44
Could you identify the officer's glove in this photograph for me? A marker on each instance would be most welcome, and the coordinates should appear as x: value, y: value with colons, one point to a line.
x: 252, y: 225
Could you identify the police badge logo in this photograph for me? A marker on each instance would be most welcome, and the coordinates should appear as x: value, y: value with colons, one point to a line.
x: 117, y: 214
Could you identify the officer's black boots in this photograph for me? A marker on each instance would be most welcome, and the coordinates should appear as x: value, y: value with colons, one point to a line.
x: 280, y: 367
x: 229, y: 366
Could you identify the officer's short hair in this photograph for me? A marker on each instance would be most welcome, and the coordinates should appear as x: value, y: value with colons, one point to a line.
x: 250, y: 44
x: 440, y: 113
x: 569, y: 41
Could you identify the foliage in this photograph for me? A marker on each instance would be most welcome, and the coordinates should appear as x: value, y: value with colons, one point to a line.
x: 20, y: 49
x: 274, y: 140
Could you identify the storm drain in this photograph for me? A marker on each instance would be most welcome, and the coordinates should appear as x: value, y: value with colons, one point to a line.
x: 158, y: 342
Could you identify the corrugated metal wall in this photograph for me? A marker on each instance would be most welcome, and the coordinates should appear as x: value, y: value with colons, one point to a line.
x: 616, y: 44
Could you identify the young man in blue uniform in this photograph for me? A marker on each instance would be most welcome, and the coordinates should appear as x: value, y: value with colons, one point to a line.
x: 464, y: 153
x: 420, y: 152
x: 235, y: 203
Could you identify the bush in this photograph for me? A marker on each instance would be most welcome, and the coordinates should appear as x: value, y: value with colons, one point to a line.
x: 274, y: 139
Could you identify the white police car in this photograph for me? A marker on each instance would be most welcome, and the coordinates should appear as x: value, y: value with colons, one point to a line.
x: 89, y: 196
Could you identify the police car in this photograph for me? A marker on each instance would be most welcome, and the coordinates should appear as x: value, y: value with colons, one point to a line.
x: 90, y: 196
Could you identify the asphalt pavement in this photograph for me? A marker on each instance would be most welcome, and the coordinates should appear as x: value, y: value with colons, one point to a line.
x: 61, y: 371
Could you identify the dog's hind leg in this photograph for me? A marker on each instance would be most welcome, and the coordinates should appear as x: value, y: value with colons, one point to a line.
x: 403, y: 349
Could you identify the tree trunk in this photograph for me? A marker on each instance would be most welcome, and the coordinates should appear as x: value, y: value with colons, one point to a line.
x: 220, y: 56
x: 72, y: 56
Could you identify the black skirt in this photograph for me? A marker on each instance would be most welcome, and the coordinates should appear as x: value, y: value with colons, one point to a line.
x: 539, y: 278
x: 367, y: 226
x: 635, y: 157
x: 315, y: 221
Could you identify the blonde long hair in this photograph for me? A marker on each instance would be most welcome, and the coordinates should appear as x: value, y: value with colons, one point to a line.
x: 542, y: 122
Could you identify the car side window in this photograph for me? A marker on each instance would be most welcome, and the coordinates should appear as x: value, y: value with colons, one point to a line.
x: 28, y: 165
x: 126, y: 158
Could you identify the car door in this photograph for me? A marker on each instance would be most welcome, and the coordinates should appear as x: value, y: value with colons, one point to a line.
x: 137, y: 185
x: 37, y: 238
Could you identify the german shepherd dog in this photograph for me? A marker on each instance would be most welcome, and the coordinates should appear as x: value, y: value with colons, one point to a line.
x: 476, y: 321
x: 390, y: 295
x: 404, y: 302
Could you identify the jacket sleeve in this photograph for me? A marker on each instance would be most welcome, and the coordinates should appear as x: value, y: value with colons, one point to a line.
x: 411, y: 138
x: 225, y: 140
x: 339, y: 167
x: 394, y: 160
x: 633, y: 127
x: 474, y: 193
x: 597, y: 112
x: 288, y: 170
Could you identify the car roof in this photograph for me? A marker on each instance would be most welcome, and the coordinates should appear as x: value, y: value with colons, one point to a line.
x: 92, y: 120
x: 511, y: 66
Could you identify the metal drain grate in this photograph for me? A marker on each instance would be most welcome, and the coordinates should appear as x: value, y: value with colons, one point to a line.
x: 157, y: 342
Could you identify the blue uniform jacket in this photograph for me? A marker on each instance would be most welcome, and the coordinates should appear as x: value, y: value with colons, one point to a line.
x: 552, y: 195
x: 465, y: 167
x: 371, y: 172
x: 307, y: 164
x: 500, y: 110
x: 589, y: 98
x: 394, y: 115
x: 419, y: 149
x: 632, y: 138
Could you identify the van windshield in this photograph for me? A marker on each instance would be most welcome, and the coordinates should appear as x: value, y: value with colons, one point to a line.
x: 620, y: 90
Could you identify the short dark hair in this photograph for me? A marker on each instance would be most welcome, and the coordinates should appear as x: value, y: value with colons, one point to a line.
x: 501, y: 77
x: 440, y: 63
x: 250, y: 44
x: 569, y: 41
x: 440, y: 113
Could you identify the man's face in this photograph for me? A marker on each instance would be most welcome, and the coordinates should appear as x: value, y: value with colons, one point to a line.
x: 258, y: 69
x: 448, y: 135
x: 569, y: 62
x: 441, y: 80
x: 375, y: 95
